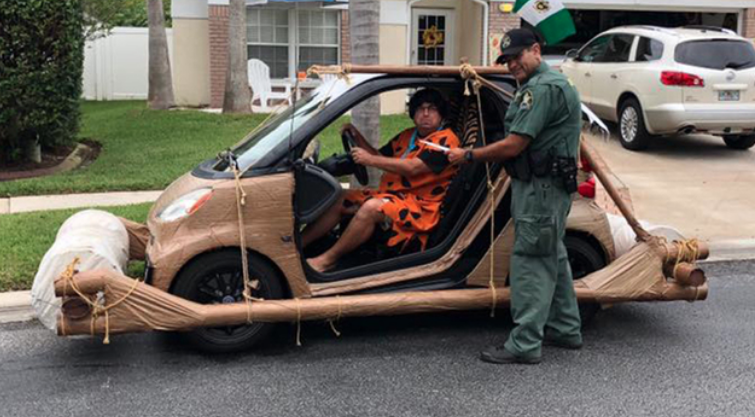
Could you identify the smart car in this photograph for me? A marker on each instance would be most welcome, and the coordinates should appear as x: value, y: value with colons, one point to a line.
x: 193, y: 246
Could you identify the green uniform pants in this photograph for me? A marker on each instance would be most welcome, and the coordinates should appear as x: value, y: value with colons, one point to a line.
x: 542, y: 292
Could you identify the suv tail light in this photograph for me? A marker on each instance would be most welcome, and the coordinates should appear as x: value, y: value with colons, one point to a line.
x: 681, y: 79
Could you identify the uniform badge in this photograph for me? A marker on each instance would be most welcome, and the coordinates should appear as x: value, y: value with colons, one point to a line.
x: 542, y: 6
x: 527, y: 100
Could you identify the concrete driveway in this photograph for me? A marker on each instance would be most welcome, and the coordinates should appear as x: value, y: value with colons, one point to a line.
x: 692, y: 182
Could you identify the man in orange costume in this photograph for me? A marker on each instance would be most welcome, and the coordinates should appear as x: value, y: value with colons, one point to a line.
x: 408, y: 200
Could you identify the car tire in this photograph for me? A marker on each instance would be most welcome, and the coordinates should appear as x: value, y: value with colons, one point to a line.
x: 584, y: 259
x: 632, y: 131
x: 741, y: 143
x: 202, y: 281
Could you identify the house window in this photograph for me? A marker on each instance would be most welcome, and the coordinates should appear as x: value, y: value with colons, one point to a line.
x: 318, y: 38
x: 267, y: 38
x: 290, y: 40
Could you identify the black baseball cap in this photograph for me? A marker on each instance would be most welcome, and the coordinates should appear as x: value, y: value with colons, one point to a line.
x: 515, y: 41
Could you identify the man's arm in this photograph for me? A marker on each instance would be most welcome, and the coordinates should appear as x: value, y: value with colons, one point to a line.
x: 508, y: 148
x: 407, y: 167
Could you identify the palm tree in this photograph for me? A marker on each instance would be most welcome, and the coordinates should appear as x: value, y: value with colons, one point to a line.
x: 160, y: 95
x: 364, y: 26
x: 238, y: 94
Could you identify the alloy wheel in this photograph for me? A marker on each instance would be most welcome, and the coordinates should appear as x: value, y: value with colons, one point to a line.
x: 629, y: 121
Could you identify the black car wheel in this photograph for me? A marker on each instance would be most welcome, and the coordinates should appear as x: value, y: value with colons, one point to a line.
x: 739, y: 142
x: 216, y: 278
x: 584, y: 259
x: 632, y: 131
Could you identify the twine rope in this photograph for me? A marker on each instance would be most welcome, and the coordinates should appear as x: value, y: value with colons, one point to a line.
x: 473, y: 80
x: 97, y: 307
x: 338, y: 317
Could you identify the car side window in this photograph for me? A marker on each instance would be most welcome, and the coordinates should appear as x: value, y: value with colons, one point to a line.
x: 617, y: 49
x: 594, y: 49
x: 648, y: 50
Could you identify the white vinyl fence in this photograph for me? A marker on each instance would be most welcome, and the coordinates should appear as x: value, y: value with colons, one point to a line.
x: 115, y: 66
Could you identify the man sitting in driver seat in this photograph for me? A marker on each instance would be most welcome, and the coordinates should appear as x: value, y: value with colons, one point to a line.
x: 407, y: 202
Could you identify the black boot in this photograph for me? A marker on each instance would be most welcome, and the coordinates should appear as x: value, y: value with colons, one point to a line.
x: 563, y: 344
x: 501, y: 355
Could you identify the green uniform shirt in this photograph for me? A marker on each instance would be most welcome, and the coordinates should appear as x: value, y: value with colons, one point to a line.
x: 546, y: 109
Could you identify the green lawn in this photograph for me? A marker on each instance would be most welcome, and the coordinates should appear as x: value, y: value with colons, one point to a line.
x: 145, y: 150
x: 25, y: 237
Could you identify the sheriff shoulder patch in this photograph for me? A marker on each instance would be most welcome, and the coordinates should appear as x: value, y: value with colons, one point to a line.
x: 527, y: 100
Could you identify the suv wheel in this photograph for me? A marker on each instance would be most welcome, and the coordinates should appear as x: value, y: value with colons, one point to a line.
x: 739, y: 142
x: 632, y: 131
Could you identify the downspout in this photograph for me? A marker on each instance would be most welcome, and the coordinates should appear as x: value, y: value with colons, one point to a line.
x: 485, y: 21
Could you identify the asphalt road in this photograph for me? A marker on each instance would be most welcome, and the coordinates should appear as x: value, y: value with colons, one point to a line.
x: 672, y: 359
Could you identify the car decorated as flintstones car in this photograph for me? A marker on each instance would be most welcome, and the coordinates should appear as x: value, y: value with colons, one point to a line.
x: 265, y: 190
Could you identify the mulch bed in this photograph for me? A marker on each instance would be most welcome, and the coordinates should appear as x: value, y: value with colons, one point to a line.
x: 51, y: 159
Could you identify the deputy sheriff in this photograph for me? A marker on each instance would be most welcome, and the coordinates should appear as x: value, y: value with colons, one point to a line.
x: 539, y: 153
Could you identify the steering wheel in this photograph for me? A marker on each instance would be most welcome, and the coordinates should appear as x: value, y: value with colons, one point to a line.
x: 349, y: 143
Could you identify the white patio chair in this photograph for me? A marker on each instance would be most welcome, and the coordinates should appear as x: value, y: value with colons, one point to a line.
x: 262, y: 89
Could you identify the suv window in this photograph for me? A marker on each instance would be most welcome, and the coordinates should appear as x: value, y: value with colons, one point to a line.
x: 593, y: 49
x: 618, y: 49
x: 716, y: 54
x: 649, y: 50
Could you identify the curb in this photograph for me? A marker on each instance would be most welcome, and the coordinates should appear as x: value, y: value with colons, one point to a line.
x: 731, y: 250
x: 16, y: 307
x: 14, y: 205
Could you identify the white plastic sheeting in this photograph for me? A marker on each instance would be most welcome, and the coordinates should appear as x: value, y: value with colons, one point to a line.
x: 624, y: 237
x: 97, y: 238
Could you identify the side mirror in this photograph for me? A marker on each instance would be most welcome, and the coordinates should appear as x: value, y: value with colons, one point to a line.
x: 572, y: 53
x: 312, y: 152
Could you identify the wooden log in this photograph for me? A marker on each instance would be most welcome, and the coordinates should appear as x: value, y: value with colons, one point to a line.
x: 599, y: 168
x: 410, y: 70
x: 147, y: 308
x: 672, y: 251
x: 686, y: 274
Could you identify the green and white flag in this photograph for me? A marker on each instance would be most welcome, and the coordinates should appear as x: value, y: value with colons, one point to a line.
x: 550, y: 17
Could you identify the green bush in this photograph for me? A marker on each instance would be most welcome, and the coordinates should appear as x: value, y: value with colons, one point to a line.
x: 41, y: 61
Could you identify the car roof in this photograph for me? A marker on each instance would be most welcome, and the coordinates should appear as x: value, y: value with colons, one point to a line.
x: 678, y: 34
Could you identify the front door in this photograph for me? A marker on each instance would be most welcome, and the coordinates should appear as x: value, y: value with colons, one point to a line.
x: 432, y: 37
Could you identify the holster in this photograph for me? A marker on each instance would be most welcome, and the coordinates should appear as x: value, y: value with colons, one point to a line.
x: 564, y: 170
x: 519, y: 167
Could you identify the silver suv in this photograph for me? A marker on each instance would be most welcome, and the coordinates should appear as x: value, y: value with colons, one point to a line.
x: 658, y: 81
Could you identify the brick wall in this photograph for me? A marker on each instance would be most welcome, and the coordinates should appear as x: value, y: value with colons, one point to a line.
x: 748, y: 29
x: 218, y: 53
x: 345, y: 38
x: 499, y: 22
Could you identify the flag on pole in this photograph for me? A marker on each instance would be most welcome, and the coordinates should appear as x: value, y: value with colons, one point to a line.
x: 550, y: 17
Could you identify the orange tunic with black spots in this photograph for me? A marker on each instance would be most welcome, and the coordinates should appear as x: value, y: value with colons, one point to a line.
x: 413, y: 203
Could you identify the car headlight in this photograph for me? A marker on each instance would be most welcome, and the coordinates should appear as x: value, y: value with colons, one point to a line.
x: 185, y: 205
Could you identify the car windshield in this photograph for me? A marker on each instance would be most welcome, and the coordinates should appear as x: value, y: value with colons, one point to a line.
x: 716, y: 54
x: 258, y: 149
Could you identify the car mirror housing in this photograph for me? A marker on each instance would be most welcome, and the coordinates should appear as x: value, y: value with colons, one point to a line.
x: 572, y: 53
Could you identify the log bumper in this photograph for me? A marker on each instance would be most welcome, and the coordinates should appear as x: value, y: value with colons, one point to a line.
x: 147, y: 308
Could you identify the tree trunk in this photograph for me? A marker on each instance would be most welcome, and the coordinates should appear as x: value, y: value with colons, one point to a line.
x: 160, y: 80
x: 364, y: 26
x: 238, y: 94
x: 33, y: 151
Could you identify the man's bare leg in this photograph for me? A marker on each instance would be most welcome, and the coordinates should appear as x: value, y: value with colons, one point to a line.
x: 359, y: 231
x: 324, y: 224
